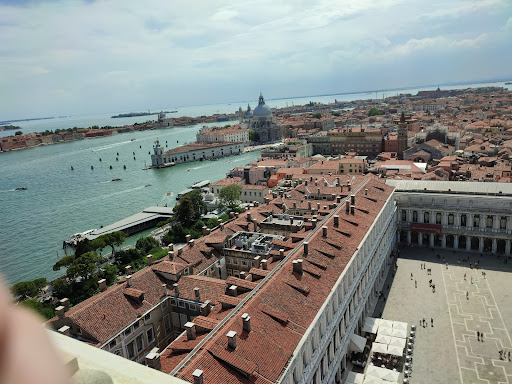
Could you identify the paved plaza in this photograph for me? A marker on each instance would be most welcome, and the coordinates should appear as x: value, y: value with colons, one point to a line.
x: 449, y: 351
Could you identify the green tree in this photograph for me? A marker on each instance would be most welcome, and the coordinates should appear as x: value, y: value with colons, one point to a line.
x: 230, y: 196
x: 189, y: 209
x: 111, y: 239
x: 212, y: 222
x: 64, y: 262
x: 24, y: 289
x: 374, y: 112
x: 45, y: 310
x: 317, y: 115
x: 83, y: 246
x: 109, y: 273
x: 83, y: 266
x: 334, y: 113
x: 145, y: 244
x: 254, y: 136
x: 18, y: 133
x: 61, y: 289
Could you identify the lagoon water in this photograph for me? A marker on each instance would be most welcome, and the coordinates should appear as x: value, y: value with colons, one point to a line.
x: 59, y: 202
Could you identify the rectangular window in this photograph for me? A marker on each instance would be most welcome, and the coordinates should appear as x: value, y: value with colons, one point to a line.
x: 450, y: 219
x: 164, y: 304
x: 192, y: 307
x: 150, y: 335
x: 147, y: 317
x: 112, y: 344
x: 128, y: 331
x: 136, y: 325
x: 140, y: 343
x: 181, y: 304
x: 130, y: 349
x: 167, y: 324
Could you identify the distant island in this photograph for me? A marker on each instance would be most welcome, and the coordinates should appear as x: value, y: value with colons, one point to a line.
x: 9, y: 127
x: 134, y: 114
x: 31, y: 119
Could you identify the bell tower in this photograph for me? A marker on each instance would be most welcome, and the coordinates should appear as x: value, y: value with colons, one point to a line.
x: 402, y: 138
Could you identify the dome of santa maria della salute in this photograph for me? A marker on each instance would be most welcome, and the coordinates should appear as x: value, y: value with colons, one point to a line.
x: 262, y: 109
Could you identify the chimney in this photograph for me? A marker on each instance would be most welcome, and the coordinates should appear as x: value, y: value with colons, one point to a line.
x: 171, y: 247
x: 149, y: 259
x: 264, y: 264
x: 180, y: 251
x: 129, y: 280
x: 60, y: 311
x: 281, y: 253
x: 198, y: 376
x: 103, y: 284
x: 243, y: 275
x: 309, y: 204
x: 347, y: 206
x: 249, y: 216
x: 267, y: 200
x: 257, y: 260
x: 255, y: 222
x: 349, y: 186
x: 191, y: 330
x: 313, y: 222
x: 338, y: 199
x: 291, y: 220
x: 306, y: 247
x: 196, y: 294
x: 219, y: 222
x: 318, y: 191
x: 233, y: 291
x: 305, y: 183
x: 256, y: 203
x: 352, y: 209
x: 336, y: 221
x: 171, y: 255
x: 297, y: 266
x: 353, y: 199
x: 204, y: 230
x: 237, y: 214
x: 221, y: 226
x: 294, y: 204
x: 324, y: 231
x: 153, y: 361
x: 246, y: 322
x: 128, y: 270
x: 176, y: 289
x: 231, y: 215
x: 65, y: 303
x: 164, y: 290
x: 205, y: 308
x: 231, y: 339
x: 65, y: 330
x: 191, y: 243
x: 366, y: 191
x: 318, y: 206
x: 187, y: 238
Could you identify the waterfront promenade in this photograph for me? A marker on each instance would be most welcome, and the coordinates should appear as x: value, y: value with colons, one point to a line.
x: 449, y: 351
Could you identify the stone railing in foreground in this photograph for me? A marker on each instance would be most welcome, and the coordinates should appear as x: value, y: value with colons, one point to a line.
x: 87, y: 364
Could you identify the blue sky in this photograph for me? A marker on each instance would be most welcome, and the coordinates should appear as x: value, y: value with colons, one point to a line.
x: 81, y: 57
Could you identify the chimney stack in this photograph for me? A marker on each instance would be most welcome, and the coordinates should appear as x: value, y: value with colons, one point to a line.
x: 353, y: 200
x: 256, y: 203
x: 65, y: 303
x: 264, y: 264
x: 196, y: 294
x: 231, y: 215
x: 204, y: 230
x: 309, y: 204
x: 313, y: 223
x: 257, y: 259
x: 219, y: 222
x: 246, y: 322
x: 205, y: 308
x: 318, y: 206
x: 149, y: 259
x: 306, y: 247
x: 176, y: 289
x: 318, y: 191
x: 171, y: 255
x: 366, y: 191
x: 128, y: 270
x: 198, y: 376
x: 352, y: 209
x: 129, y: 280
x: 60, y: 311
x: 349, y: 186
x: 324, y: 231
x: 187, y: 238
x: 171, y: 247
x: 233, y: 291
x: 103, y: 284
x: 336, y: 221
x: 347, y: 206
x: 191, y: 243
x: 281, y: 253
x: 338, y: 199
x: 191, y: 330
x: 65, y: 330
x: 243, y: 275
x: 297, y: 266
x: 164, y: 290
x: 153, y: 361
x: 231, y: 339
x: 249, y: 216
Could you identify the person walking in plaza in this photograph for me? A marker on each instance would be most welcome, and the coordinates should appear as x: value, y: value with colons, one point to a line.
x: 508, y: 355
x: 478, y: 335
x: 433, y: 288
x: 471, y: 279
x: 431, y: 322
x: 415, y: 284
x: 464, y: 277
x: 467, y: 295
x: 411, y: 275
x: 481, y: 336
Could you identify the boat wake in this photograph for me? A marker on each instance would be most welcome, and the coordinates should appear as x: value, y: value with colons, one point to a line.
x: 105, y: 147
x: 9, y: 190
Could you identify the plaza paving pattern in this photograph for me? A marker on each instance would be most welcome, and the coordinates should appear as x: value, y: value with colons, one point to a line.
x: 449, y: 351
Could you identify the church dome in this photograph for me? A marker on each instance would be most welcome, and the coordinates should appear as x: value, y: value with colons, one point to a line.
x: 262, y: 109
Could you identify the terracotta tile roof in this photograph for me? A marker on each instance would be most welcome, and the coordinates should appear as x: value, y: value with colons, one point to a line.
x: 171, y: 267
x: 209, y: 288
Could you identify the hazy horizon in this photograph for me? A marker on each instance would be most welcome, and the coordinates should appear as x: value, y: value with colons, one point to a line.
x: 90, y: 57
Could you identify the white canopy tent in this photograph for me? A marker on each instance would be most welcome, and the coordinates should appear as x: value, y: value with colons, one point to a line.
x: 402, y: 333
x: 386, y: 323
x: 400, y: 325
x: 357, y: 343
x: 383, y: 339
x: 397, y: 342
x: 355, y: 378
x: 371, y: 325
x: 380, y: 348
x: 382, y: 374
x: 373, y: 380
x: 395, y: 351
x: 386, y: 331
